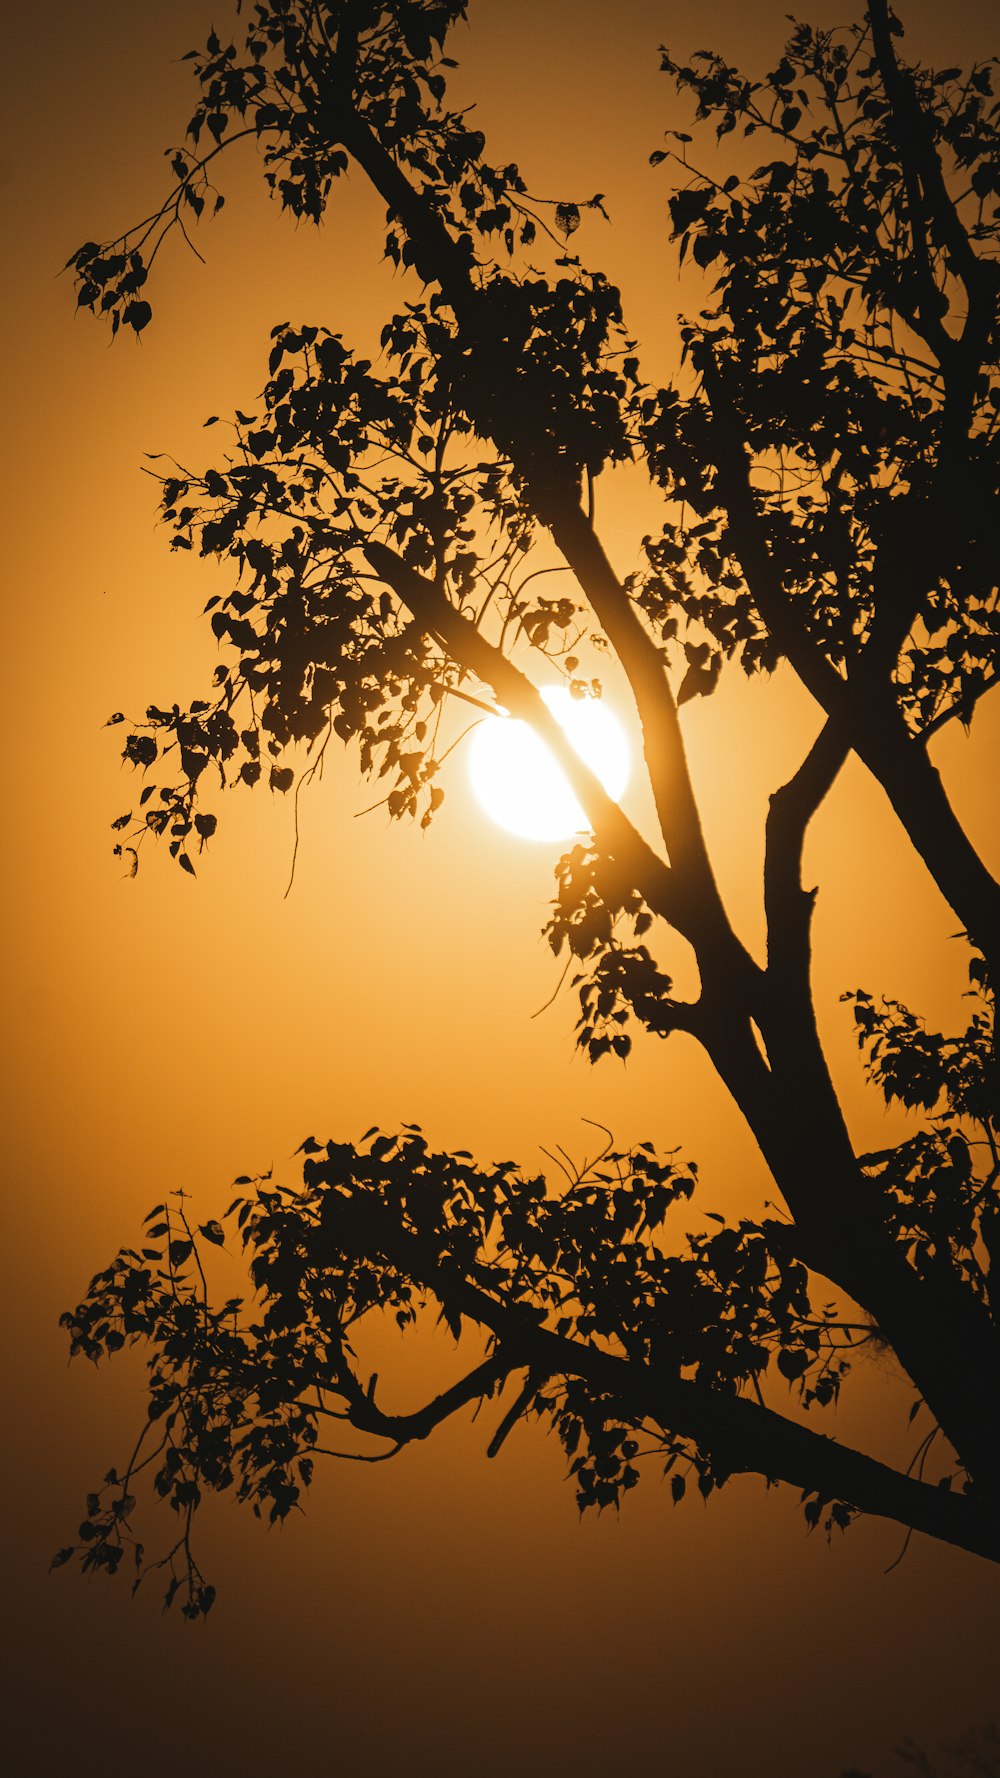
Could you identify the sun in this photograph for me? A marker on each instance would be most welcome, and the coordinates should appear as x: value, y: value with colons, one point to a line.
x: 518, y: 782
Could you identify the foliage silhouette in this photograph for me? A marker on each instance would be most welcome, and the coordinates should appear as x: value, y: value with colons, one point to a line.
x: 823, y: 475
x: 976, y: 1754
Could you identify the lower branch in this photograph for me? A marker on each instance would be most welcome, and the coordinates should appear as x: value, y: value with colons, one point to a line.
x: 743, y: 1436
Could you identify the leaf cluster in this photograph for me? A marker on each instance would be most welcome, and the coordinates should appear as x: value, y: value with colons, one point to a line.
x: 852, y: 348
x: 939, y: 1185
x: 239, y: 1395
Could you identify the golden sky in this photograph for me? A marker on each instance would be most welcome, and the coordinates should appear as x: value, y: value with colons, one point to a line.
x: 440, y: 1613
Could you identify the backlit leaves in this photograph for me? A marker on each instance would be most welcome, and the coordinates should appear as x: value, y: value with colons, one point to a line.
x: 940, y: 1185
x: 238, y: 1395
x: 842, y: 372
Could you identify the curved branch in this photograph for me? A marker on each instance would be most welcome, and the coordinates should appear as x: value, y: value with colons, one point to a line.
x: 707, y: 924
x: 613, y: 830
x: 366, y: 1416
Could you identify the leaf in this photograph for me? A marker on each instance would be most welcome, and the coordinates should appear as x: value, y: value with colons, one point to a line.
x: 212, y: 1231
x: 138, y: 315
x: 699, y: 682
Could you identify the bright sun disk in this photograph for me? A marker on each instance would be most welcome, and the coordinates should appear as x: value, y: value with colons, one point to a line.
x: 519, y: 783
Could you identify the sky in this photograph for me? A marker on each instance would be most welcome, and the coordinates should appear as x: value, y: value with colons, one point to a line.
x: 440, y: 1613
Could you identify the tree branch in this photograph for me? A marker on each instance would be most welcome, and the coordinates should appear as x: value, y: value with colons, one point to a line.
x: 613, y: 830
x: 930, y: 201
x: 737, y: 1434
x: 914, y: 787
x: 920, y: 162
x: 788, y: 907
x: 366, y: 1416
x: 706, y: 922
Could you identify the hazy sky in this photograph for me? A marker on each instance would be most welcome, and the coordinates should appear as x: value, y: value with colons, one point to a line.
x: 441, y: 1613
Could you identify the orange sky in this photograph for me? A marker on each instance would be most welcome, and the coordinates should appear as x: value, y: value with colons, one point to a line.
x: 439, y: 1613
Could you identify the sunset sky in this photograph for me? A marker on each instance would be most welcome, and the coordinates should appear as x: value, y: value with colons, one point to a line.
x: 441, y: 1613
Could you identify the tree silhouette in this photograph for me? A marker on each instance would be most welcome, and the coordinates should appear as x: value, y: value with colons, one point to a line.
x: 823, y: 493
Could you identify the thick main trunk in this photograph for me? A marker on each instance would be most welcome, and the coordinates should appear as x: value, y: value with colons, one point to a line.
x: 944, y: 1338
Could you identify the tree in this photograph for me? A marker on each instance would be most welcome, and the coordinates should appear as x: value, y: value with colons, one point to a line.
x: 823, y: 480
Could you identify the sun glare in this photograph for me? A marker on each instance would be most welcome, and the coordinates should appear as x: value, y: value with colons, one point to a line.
x: 519, y: 783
